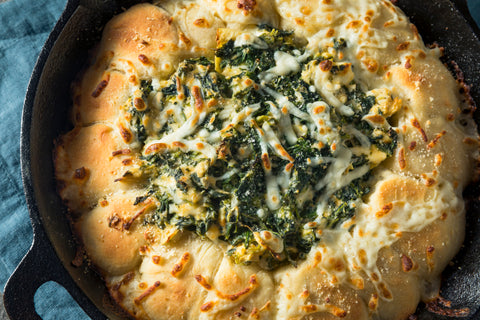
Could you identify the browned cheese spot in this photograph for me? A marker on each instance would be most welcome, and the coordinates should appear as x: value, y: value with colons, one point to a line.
x: 127, y: 162
x: 100, y: 87
x: 179, y: 267
x: 133, y: 79
x: 309, y: 308
x: 185, y: 39
x: 358, y: 283
x: 412, y: 145
x: 235, y: 296
x: 326, y: 65
x: 415, y: 31
x: 255, y: 314
x: 385, y: 210
x: 470, y: 141
x: 403, y: 46
x: 197, y: 95
x: 203, y: 282
x: 336, y: 311
x: 384, y: 291
x: 388, y: 23
x: 156, y: 259
x: 178, y: 144
x: 354, y: 24
x: 450, y: 117
x: 438, y: 160
x: 246, y: 5
x: 207, y: 306
x: 139, y: 104
x: 127, y: 136
x: 435, y: 140
x: 115, y: 289
x: 80, y: 174
x: 306, y: 10
x: 407, y: 263
x: 428, y: 180
x: 121, y: 152
x: 299, y: 21
x: 402, y: 162
x: 266, y: 161
x: 201, y: 23
x: 156, y: 147
x: 373, y: 302
x: 148, y: 204
x: 146, y: 293
x: 416, y: 124
x: 144, y: 59
x: 370, y: 64
x: 408, y: 64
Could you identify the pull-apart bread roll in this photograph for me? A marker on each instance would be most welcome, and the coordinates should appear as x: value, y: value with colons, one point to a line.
x: 260, y: 159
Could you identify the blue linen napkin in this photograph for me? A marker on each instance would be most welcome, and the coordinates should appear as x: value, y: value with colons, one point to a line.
x: 24, y: 26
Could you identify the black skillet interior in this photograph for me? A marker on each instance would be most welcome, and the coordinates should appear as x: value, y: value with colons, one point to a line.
x: 45, y: 117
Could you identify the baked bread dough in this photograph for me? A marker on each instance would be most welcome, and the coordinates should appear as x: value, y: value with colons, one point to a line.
x: 267, y: 160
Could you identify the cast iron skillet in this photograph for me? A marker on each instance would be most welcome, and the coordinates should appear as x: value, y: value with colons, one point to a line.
x: 45, y: 117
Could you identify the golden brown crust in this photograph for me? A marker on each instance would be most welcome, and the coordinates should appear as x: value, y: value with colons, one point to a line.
x: 85, y: 166
x: 389, y: 256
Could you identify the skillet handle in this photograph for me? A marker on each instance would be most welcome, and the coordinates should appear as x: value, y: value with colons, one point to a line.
x: 37, y: 267
x: 462, y: 6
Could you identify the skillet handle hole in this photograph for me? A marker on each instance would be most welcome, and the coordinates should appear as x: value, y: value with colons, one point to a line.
x: 51, y: 300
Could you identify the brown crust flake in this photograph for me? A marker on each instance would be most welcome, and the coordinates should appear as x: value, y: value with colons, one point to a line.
x: 407, y: 263
x: 442, y: 307
x: 100, y: 87
x: 80, y: 174
x: 146, y: 293
x: 179, y: 267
